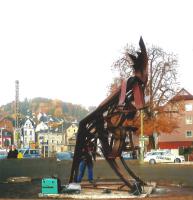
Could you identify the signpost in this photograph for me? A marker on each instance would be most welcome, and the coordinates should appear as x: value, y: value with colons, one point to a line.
x: 141, y: 139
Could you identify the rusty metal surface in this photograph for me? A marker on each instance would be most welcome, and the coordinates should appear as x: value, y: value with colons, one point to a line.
x: 106, y: 125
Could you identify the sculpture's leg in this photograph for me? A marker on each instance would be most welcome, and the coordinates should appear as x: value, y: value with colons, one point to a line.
x: 131, y: 173
x: 77, y: 152
x: 117, y: 170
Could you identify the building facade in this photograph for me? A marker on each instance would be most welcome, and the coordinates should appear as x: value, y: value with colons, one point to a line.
x: 28, y: 134
x: 182, y: 136
x: 70, y: 136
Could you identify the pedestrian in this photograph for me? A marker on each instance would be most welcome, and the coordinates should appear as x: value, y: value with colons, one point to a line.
x: 19, y: 155
x: 10, y: 153
x: 13, y: 152
x: 86, y: 162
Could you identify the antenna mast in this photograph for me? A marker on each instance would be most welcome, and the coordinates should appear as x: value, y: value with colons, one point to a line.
x: 16, y: 104
x: 17, y: 137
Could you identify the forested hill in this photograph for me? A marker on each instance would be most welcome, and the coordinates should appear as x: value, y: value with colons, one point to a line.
x: 55, y: 108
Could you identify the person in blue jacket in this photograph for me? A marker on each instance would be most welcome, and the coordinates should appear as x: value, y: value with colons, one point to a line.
x: 86, y: 162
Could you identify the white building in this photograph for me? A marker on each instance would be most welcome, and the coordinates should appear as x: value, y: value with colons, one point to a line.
x: 42, y: 130
x: 28, y: 133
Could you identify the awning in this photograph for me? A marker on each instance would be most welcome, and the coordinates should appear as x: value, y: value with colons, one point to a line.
x: 175, y: 144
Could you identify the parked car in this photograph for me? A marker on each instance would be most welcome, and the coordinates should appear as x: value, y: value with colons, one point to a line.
x: 67, y: 155
x: 127, y: 155
x: 30, y: 153
x: 162, y: 156
x: 3, y: 154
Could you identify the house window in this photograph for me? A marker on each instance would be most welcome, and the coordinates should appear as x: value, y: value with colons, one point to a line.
x: 188, y: 107
x: 188, y: 133
x: 188, y: 119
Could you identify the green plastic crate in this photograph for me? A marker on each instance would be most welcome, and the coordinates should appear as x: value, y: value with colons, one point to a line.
x: 49, y: 186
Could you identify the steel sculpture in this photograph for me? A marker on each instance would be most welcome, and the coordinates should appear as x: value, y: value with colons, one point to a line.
x: 107, y: 124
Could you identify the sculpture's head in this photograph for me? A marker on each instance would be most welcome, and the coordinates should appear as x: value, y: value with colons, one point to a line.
x: 140, y: 63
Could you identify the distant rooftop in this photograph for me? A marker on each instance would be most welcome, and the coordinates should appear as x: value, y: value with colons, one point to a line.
x: 182, y: 95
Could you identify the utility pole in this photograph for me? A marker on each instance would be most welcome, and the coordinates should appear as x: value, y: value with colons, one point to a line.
x: 17, y: 104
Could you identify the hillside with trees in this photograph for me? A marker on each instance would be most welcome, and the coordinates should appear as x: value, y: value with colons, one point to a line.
x: 56, y: 108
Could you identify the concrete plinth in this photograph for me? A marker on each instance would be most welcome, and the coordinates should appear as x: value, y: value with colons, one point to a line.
x: 99, y: 192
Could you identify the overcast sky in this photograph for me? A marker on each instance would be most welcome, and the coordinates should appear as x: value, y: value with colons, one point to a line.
x: 64, y: 49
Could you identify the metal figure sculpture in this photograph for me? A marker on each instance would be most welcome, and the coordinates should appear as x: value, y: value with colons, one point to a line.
x: 106, y: 124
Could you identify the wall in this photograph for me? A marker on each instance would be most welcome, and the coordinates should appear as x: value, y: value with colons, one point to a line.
x: 38, y: 168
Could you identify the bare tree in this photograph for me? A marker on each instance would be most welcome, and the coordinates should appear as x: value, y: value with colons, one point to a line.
x: 163, y: 83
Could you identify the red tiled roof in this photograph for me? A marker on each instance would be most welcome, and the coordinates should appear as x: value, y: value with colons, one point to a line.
x: 182, y: 95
